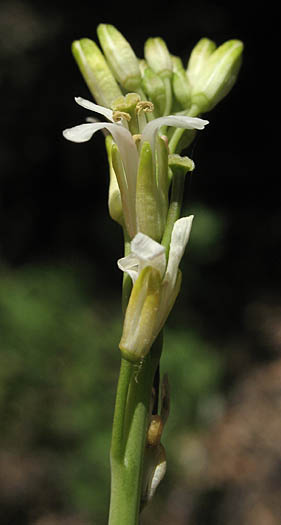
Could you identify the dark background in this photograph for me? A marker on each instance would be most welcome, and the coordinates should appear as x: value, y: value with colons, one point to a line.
x: 56, y: 238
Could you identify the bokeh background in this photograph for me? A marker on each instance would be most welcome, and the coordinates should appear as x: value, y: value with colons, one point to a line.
x: 60, y: 287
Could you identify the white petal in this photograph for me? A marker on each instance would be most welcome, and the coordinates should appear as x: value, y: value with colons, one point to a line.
x: 144, y: 252
x: 83, y: 132
x: 128, y: 152
x: 95, y: 107
x: 179, y: 240
x: 149, y: 252
x: 177, y: 121
x: 130, y: 265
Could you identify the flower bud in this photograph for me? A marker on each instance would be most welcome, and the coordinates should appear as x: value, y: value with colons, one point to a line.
x: 180, y: 83
x: 154, y: 88
x: 198, y: 58
x: 120, y: 56
x: 158, y: 57
x: 95, y: 71
x: 219, y: 75
x: 141, y: 315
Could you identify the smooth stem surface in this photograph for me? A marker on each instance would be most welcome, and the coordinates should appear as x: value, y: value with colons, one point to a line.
x: 128, y: 441
x: 174, y: 208
x: 130, y: 424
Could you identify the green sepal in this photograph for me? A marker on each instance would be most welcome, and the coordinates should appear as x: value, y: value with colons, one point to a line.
x: 147, y: 201
x: 95, y: 71
x: 120, y: 56
x: 141, y: 316
x: 127, y: 205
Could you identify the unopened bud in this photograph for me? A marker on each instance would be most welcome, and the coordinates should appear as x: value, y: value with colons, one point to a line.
x: 154, y: 88
x: 198, y: 58
x: 95, y: 71
x: 180, y: 83
x: 158, y: 57
x: 120, y: 56
x: 219, y: 75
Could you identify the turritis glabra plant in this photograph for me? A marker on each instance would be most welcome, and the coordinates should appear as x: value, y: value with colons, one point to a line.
x: 150, y: 110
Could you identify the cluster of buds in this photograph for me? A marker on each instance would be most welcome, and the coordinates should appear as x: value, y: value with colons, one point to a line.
x: 151, y: 108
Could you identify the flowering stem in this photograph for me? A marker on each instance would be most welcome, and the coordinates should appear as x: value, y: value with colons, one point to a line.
x: 129, y: 436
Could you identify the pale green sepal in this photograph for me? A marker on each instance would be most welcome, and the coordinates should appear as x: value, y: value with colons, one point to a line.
x: 180, y: 83
x: 95, y: 71
x: 114, y: 196
x: 126, y: 199
x: 219, y: 75
x: 141, y: 315
x: 168, y: 299
x: 154, y: 88
x: 198, y: 58
x: 147, y: 201
x: 120, y: 56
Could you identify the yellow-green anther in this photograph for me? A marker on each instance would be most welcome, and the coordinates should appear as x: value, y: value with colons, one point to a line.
x: 154, y: 88
x: 219, y: 75
x: 128, y: 104
x: 180, y: 83
x: 141, y: 316
x: 114, y: 196
x: 95, y: 71
x: 159, y: 59
x: 147, y: 199
x: 120, y: 56
x: 198, y: 58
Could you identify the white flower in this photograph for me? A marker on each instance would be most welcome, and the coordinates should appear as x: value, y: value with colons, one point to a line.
x: 127, y: 148
x: 156, y: 286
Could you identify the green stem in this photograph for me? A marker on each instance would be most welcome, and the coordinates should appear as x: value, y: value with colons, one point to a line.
x: 174, y: 208
x: 129, y: 436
